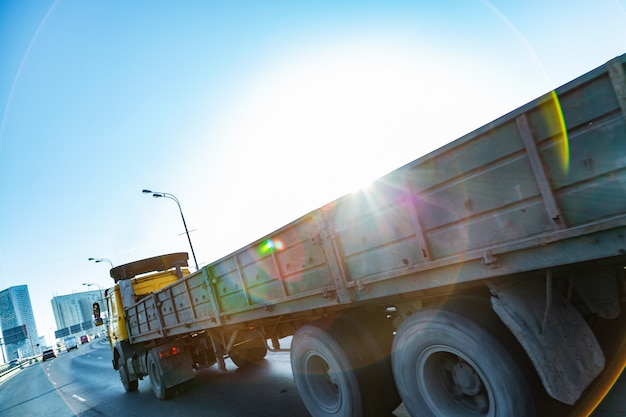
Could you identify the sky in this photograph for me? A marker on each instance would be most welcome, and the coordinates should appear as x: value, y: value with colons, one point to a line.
x: 251, y: 113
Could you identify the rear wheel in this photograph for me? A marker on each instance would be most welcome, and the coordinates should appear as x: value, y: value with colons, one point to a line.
x: 445, y: 364
x: 247, y: 353
x: 375, y: 339
x: 335, y: 371
x: 157, y: 381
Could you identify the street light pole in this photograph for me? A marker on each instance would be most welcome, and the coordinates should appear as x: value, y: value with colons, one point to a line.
x: 88, y: 284
x: 96, y: 260
x: 158, y: 194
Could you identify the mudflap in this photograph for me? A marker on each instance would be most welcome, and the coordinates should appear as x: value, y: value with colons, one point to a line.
x: 177, y: 368
x: 560, y: 344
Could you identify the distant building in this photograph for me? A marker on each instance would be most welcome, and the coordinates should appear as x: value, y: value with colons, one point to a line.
x: 19, y: 332
x: 73, y: 313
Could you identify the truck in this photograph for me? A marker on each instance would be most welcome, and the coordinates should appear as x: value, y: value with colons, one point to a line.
x: 70, y: 343
x: 485, y: 278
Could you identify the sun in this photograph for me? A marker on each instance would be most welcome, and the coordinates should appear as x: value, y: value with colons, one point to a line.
x: 325, y: 120
x: 339, y: 114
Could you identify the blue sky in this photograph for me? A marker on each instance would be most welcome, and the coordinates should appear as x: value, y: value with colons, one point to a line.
x: 251, y: 113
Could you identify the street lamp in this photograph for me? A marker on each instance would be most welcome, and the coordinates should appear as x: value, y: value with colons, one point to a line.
x: 88, y: 284
x: 158, y: 194
x: 96, y: 260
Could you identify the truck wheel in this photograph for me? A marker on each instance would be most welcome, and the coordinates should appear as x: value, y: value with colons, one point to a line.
x: 250, y: 352
x: 376, y: 337
x: 129, y: 385
x: 330, y: 369
x: 156, y: 376
x: 445, y: 364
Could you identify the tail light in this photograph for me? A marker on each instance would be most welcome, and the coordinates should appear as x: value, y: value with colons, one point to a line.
x: 173, y: 351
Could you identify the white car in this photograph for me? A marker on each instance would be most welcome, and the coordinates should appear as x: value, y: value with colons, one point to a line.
x: 48, y: 354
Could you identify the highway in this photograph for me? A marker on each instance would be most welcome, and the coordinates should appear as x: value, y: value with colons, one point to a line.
x: 83, y: 383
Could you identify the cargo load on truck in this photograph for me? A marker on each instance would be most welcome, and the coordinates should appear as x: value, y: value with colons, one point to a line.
x: 484, y: 278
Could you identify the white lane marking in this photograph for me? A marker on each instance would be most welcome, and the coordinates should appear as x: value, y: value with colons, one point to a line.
x: 79, y: 398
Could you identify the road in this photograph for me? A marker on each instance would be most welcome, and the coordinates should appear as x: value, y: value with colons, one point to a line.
x: 82, y: 383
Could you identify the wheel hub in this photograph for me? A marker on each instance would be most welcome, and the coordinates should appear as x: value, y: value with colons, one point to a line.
x: 466, y: 379
x: 332, y: 378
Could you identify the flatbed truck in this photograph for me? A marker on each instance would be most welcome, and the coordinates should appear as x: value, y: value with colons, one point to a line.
x: 484, y: 278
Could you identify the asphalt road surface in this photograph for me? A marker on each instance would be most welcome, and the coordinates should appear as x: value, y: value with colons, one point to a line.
x: 83, y: 383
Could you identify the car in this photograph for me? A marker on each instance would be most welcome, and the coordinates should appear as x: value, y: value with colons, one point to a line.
x: 48, y: 354
x: 14, y: 363
x: 84, y: 339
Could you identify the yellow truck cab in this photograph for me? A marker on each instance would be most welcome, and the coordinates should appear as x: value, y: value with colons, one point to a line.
x: 133, y: 282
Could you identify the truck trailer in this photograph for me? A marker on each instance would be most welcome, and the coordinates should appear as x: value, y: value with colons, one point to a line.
x: 485, y: 278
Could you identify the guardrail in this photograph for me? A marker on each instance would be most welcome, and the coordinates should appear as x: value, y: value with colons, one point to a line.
x: 6, y: 369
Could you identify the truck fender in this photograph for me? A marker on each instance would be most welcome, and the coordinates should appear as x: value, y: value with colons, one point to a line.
x: 558, y: 341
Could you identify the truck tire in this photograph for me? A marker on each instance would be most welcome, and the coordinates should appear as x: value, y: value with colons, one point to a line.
x: 376, y: 337
x: 445, y: 364
x: 250, y: 352
x: 333, y: 373
x: 157, y: 380
x: 129, y: 385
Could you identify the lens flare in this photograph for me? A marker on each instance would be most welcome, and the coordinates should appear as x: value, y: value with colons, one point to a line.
x: 563, y: 145
x: 270, y: 245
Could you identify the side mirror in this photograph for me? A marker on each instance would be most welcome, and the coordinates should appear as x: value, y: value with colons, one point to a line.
x: 96, y: 314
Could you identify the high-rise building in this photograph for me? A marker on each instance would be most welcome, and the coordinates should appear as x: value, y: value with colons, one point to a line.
x: 73, y: 313
x: 19, y: 332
